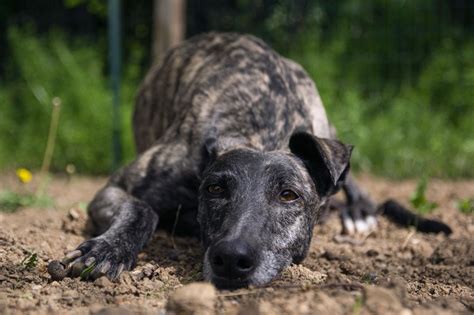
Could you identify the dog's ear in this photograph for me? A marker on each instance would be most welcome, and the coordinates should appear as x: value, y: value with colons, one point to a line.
x: 209, y: 153
x: 327, y: 160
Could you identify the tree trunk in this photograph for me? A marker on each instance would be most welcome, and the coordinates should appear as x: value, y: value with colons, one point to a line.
x: 169, y: 26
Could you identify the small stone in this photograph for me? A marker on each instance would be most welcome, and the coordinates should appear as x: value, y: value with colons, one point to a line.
x: 195, y: 298
x: 137, y: 275
x: 70, y: 294
x: 424, y: 249
x: 103, y: 282
x: 148, y: 270
x: 73, y: 214
x: 36, y: 287
x: 57, y: 270
x: 372, y: 253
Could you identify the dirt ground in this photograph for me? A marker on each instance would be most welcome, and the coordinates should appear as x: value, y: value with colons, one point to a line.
x: 394, y: 270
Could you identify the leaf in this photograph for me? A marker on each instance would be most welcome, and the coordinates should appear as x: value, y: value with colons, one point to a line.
x: 86, y: 272
x: 30, y: 261
x: 465, y: 206
x: 418, y: 199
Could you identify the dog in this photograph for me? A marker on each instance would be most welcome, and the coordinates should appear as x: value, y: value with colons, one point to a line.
x: 233, y: 141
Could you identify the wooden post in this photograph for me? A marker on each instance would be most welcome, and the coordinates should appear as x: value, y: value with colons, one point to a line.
x: 169, y: 26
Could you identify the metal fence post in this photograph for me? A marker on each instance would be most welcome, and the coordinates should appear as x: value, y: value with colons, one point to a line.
x: 115, y: 45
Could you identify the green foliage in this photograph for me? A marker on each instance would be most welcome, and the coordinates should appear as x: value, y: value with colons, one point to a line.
x: 44, y: 68
x: 396, y: 77
x: 86, y: 272
x: 358, y: 305
x: 94, y: 6
x: 368, y: 277
x: 408, y: 112
x: 418, y: 199
x: 465, y: 206
x: 30, y: 261
x: 11, y: 201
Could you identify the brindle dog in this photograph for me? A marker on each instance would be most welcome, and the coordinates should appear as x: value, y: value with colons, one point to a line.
x: 236, y: 137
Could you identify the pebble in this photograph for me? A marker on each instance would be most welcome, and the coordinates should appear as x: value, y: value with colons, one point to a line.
x: 196, y: 298
x: 73, y: 214
x: 57, y: 270
x: 148, y: 270
x: 103, y: 282
x: 372, y: 253
x: 36, y: 287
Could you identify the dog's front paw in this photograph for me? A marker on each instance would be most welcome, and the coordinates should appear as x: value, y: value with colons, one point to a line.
x: 359, y: 217
x: 98, y: 257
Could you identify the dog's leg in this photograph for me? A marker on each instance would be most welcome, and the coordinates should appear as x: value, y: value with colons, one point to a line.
x: 125, y: 225
x: 359, y: 215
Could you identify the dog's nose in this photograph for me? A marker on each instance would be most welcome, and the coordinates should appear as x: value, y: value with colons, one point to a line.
x: 232, y: 259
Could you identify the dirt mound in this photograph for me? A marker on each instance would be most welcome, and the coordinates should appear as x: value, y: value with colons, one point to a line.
x: 454, y: 252
x: 392, y: 271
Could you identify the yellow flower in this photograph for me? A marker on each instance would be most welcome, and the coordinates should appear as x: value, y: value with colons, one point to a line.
x: 24, y: 175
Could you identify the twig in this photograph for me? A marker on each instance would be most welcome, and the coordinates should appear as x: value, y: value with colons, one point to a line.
x: 407, y: 239
x: 48, y: 153
x: 249, y: 292
x: 174, y: 225
x: 345, y: 286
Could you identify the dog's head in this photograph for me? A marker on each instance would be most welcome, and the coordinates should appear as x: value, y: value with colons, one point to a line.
x: 257, y: 209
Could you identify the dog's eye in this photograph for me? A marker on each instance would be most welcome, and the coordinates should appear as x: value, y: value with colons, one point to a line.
x: 215, y: 189
x: 288, y: 195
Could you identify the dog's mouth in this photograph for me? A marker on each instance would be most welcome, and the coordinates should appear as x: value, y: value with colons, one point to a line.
x: 229, y: 284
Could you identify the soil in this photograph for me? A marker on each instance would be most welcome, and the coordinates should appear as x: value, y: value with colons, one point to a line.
x: 392, y: 271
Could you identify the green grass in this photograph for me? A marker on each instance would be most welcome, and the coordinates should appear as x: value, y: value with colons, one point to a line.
x: 87, y: 271
x: 11, y: 201
x: 368, y: 277
x: 418, y: 199
x: 358, y: 305
x: 465, y: 206
x: 422, y: 127
x: 30, y: 261
x: 55, y: 66
x: 406, y: 128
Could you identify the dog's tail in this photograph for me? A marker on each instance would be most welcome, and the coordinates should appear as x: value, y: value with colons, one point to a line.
x: 400, y: 215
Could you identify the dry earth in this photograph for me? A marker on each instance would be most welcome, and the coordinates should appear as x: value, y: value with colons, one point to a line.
x: 394, y: 271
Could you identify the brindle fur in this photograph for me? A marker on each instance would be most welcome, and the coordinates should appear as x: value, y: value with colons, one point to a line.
x: 222, y: 108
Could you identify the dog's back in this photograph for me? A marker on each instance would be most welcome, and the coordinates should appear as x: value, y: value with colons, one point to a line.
x: 226, y: 85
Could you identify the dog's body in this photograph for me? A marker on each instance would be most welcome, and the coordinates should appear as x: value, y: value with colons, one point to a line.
x: 234, y: 142
x: 219, y: 87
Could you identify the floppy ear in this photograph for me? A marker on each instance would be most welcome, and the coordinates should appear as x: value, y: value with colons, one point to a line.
x: 327, y: 160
